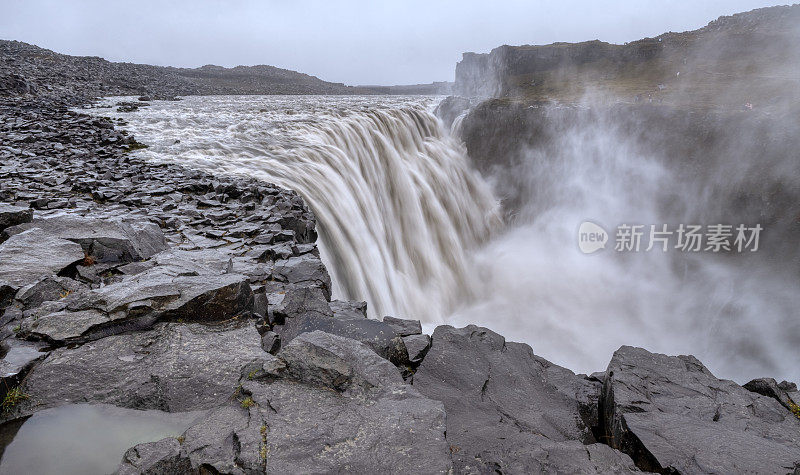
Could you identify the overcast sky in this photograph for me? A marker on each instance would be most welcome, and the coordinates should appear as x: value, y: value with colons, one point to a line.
x: 350, y: 41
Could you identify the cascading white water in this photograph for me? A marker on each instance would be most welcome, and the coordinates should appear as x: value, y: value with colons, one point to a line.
x: 407, y: 225
x: 397, y: 204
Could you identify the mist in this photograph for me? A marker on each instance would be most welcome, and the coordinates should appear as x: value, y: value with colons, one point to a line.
x: 734, y: 312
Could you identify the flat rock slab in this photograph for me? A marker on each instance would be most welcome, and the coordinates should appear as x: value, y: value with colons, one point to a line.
x: 348, y: 309
x: 32, y: 255
x: 325, y: 404
x: 671, y: 414
x: 106, y: 240
x: 190, y: 297
x: 508, y: 410
x: 63, y: 326
x: 18, y: 357
x: 174, y: 367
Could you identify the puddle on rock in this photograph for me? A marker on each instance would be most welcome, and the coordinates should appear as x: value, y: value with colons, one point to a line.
x: 82, y: 439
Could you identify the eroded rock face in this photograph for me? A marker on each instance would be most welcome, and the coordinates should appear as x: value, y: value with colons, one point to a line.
x: 509, y: 410
x: 174, y: 367
x: 672, y: 415
x: 365, y: 418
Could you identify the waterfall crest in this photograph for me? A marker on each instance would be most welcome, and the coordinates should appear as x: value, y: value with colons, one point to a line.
x: 398, y: 207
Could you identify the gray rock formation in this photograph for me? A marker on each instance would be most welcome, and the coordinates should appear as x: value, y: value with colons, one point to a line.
x: 30, y: 256
x: 785, y: 392
x: 508, y: 410
x: 383, y: 338
x: 373, y: 423
x: 671, y: 415
x: 113, y: 240
x: 155, y: 458
x: 11, y: 215
x: 404, y: 327
x: 174, y: 367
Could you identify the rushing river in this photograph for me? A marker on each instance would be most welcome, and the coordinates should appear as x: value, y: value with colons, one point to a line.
x: 407, y: 225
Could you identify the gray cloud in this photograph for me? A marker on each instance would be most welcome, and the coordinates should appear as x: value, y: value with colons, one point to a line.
x: 353, y: 41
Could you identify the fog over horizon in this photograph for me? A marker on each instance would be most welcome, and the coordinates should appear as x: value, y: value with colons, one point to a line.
x: 355, y: 42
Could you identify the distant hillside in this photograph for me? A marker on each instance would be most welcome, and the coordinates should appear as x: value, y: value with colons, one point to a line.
x: 748, y: 57
x: 28, y: 69
x: 440, y: 87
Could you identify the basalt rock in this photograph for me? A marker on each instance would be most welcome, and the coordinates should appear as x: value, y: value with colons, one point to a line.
x: 155, y: 458
x: 49, y: 288
x: 417, y: 346
x: 509, y: 411
x: 18, y: 357
x: 404, y: 327
x: 11, y: 215
x: 374, y: 422
x: 671, y: 415
x: 380, y: 336
x: 307, y: 271
x: 174, y: 367
x: 176, y: 296
x: 785, y: 392
x: 348, y: 309
x: 34, y: 254
x: 113, y: 240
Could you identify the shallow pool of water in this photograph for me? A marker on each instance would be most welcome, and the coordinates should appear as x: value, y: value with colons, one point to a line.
x: 82, y: 439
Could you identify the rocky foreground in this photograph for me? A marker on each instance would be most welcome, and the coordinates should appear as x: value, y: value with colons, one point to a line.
x: 155, y: 287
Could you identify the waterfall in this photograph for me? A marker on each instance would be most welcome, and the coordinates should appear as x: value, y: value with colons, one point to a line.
x: 398, y: 206
x: 406, y: 224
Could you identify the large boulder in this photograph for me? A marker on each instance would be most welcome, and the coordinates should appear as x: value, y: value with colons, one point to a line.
x: 178, y: 296
x: 11, y: 215
x: 508, y: 410
x: 325, y: 404
x: 174, y: 367
x: 307, y: 311
x: 31, y: 255
x: 138, y: 302
x: 106, y: 240
x: 673, y: 416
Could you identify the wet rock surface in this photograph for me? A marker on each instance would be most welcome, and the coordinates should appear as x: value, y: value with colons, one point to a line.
x: 173, y: 367
x: 673, y: 416
x: 509, y: 411
x: 374, y: 422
